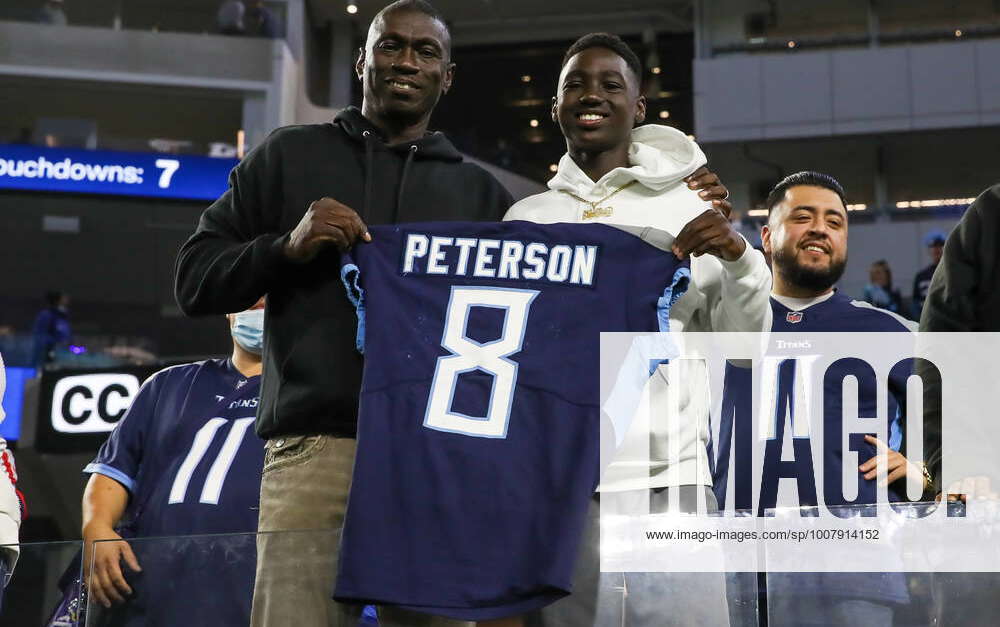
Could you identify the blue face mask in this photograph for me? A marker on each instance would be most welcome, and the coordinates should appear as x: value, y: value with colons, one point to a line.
x: 248, y: 330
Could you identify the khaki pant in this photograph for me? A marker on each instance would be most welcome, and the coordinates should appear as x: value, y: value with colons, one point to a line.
x: 303, y: 497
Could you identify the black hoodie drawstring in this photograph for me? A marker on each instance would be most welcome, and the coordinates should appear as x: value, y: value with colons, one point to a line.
x: 369, y: 174
x: 402, y: 182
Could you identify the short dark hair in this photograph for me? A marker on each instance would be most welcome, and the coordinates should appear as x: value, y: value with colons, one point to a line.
x: 808, y: 177
x: 613, y: 43
x: 419, y: 6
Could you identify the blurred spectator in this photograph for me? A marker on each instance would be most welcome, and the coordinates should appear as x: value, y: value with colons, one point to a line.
x: 934, y: 241
x: 260, y: 21
x: 879, y: 291
x: 11, y: 505
x: 52, y: 13
x: 229, y: 19
x: 51, y: 327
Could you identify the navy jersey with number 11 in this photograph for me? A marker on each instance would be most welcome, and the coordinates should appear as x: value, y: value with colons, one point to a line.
x: 187, y: 453
x: 478, y: 432
x: 191, y: 462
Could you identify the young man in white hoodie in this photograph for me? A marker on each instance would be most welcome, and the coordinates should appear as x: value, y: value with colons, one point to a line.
x: 616, y: 172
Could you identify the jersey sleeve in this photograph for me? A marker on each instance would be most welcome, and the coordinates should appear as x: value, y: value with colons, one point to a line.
x: 350, y: 275
x: 121, y: 455
x: 646, y: 352
x: 677, y: 287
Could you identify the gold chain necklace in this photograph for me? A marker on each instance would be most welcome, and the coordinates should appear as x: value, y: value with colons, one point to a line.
x: 595, y: 211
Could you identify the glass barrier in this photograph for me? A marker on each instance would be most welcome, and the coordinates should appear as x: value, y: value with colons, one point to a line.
x: 209, y: 580
x: 877, y: 597
x: 198, y: 580
x: 657, y: 599
x: 35, y: 593
x: 185, y: 580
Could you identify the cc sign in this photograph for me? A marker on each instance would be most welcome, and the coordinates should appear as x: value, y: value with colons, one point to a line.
x: 92, y: 403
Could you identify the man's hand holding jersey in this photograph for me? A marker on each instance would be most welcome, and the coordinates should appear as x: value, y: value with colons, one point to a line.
x: 711, y: 232
x: 326, y: 222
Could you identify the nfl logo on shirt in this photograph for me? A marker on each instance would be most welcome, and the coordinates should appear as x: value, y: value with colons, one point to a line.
x: 793, y: 317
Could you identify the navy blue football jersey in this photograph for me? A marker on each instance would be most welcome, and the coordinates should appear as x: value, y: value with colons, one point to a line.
x: 836, y: 314
x: 187, y: 453
x: 478, y: 434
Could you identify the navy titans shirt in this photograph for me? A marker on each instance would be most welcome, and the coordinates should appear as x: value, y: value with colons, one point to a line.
x: 836, y: 314
x: 187, y: 453
x: 478, y: 435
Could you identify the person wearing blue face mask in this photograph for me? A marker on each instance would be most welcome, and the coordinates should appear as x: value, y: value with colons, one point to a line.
x: 248, y: 330
x: 158, y: 475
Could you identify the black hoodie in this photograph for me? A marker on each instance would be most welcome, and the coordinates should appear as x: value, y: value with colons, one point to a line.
x: 964, y: 296
x: 312, y: 372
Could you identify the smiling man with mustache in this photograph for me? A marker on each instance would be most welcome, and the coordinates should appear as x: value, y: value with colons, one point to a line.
x: 806, y: 236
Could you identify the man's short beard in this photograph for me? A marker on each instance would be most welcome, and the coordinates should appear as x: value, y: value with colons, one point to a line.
x: 803, y: 277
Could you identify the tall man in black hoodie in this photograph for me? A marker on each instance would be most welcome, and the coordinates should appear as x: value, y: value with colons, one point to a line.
x: 268, y: 234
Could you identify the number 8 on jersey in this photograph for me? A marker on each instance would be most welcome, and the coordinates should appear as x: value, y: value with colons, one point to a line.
x: 468, y: 355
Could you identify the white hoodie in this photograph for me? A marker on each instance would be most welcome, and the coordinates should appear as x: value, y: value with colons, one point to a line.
x: 10, y: 506
x: 722, y: 295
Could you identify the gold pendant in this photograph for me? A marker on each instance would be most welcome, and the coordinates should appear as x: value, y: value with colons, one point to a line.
x: 597, y: 212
